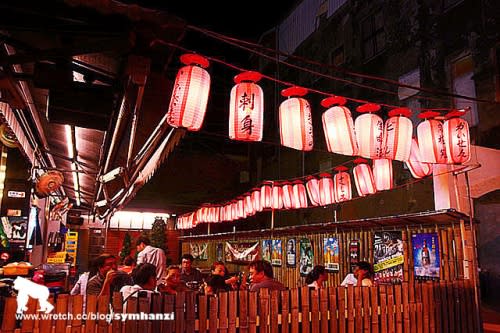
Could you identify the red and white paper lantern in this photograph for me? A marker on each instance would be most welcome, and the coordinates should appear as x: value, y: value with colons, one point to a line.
x: 299, y: 199
x: 277, y: 202
x: 363, y: 178
x: 339, y: 127
x: 188, y: 103
x: 431, y: 138
x: 398, y: 132
x: 417, y: 168
x: 457, y: 138
x: 287, y: 188
x: 342, y: 183
x: 326, y: 189
x: 246, y: 108
x: 257, y: 205
x: 249, y: 210
x: 369, y: 129
x: 266, y: 194
x: 295, y: 120
x: 382, y: 174
x: 312, y: 186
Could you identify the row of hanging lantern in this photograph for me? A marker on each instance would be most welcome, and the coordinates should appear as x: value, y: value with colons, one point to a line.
x: 313, y: 191
x: 368, y: 136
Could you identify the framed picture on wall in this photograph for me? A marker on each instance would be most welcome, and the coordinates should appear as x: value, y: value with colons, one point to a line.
x: 266, y: 249
x: 241, y: 252
x: 331, y: 254
x: 219, y: 252
x: 291, y: 252
x: 388, y: 257
x: 199, y: 251
x: 426, y: 255
x: 277, y: 252
x: 306, y: 261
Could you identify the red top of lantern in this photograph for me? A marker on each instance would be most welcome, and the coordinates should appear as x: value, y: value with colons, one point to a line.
x: 308, y: 178
x: 249, y: 76
x: 297, y: 181
x: 294, y: 91
x: 360, y: 160
x: 341, y: 168
x: 194, y: 59
x: 369, y: 107
x: 333, y: 100
x: 325, y: 175
x: 428, y: 114
x: 405, y: 112
x: 455, y: 113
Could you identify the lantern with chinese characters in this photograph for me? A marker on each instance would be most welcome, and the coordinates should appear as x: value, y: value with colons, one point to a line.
x: 295, y: 120
x: 246, y: 108
x: 299, y: 199
x: 417, y: 168
x: 266, y: 194
x: 312, y: 186
x: 431, y: 139
x: 287, y: 188
x: 363, y: 178
x: 369, y: 130
x: 457, y: 138
x: 326, y: 189
x: 342, y: 184
x: 382, y: 174
x: 397, y: 135
x: 277, y: 202
x: 339, y: 127
x: 188, y: 103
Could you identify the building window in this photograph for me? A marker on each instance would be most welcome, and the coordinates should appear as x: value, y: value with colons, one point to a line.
x: 462, y: 71
x: 337, y: 56
x: 372, y: 29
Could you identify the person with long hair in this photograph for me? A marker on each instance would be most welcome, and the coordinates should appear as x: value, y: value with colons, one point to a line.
x: 364, y: 274
x: 316, y: 277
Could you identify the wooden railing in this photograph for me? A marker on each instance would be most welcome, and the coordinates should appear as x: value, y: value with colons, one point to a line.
x: 420, y: 308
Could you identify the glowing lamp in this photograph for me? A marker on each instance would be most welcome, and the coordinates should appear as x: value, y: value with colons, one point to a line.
x: 295, y: 120
x: 257, y: 205
x: 339, y: 127
x: 326, y: 189
x: 287, y: 195
x: 299, y: 199
x: 188, y: 103
x: 431, y: 139
x: 397, y: 135
x: 277, y: 202
x: 246, y: 108
x: 417, y: 168
x: 363, y: 178
x: 457, y: 138
x: 369, y: 131
x: 382, y: 174
x: 342, y: 185
x: 249, y: 210
x: 312, y: 187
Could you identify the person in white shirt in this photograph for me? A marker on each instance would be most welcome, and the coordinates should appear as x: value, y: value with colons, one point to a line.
x: 316, y: 277
x: 151, y: 255
x: 144, y: 276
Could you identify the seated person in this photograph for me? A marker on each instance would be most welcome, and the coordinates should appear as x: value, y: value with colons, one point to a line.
x: 128, y: 265
x: 218, y: 280
x: 108, y: 279
x: 144, y: 276
x: 188, y: 272
x: 261, y: 276
x: 316, y: 277
x: 172, y: 283
x: 362, y: 275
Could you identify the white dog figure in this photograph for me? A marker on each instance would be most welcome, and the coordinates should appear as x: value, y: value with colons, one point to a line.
x: 28, y: 289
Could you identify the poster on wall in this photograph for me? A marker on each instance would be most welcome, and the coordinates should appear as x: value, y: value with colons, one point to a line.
x: 277, y: 252
x: 388, y: 257
x: 331, y: 254
x: 266, y: 249
x: 353, y: 253
x: 241, y: 253
x: 15, y: 229
x: 306, y: 260
x: 291, y: 255
x: 219, y: 252
x: 426, y: 255
x: 199, y: 251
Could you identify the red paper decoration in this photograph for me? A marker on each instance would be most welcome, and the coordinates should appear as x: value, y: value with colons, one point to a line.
x: 257, y: 205
x: 277, y: 197
x: 382, y: 174
x: 287, y: 195
x: 417, y: 168
x: 295, y: 120
x: 363, y: 178
x: 188, y: 103
x: 342, y: 183
x: 299, y: 199
x: 312, y: 186
x: 397, y: 135
x: 326, y: 189
x: 457, y: 138
x: 339, y: 127
x: 266, y: 195
x: 246, y: 108
x: 431, y: 139
x: 369, y: 131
